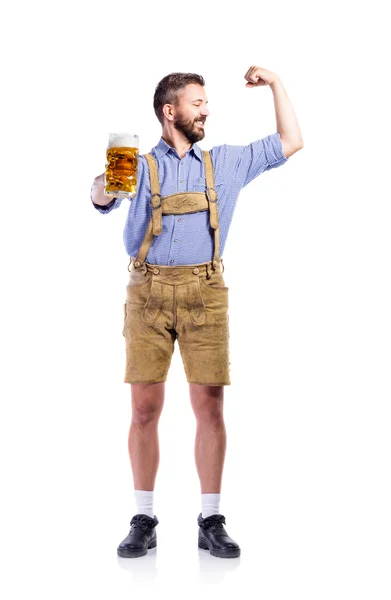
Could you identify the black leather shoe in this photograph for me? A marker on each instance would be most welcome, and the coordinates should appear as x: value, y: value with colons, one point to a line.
x: 213, y: 537
x: 142, y: 537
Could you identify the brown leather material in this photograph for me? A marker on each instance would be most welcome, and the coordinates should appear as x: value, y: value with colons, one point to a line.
x: 156, y: 200
x: 187, y: 202
x: 210, y: 190
x: 145, y: 246
x: 153, y: 174
x: 188, y: 304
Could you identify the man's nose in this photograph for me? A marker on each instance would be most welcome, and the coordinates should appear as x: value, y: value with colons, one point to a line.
x: 205, y: 111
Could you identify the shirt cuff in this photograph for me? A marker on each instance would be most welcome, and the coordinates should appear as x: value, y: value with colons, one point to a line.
x: 273, y: 150
x: 107, y: 207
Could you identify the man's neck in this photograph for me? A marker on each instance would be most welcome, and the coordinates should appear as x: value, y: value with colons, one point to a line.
x: 177, y: 140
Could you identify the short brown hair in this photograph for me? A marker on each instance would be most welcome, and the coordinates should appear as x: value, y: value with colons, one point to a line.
x: 166, y: 91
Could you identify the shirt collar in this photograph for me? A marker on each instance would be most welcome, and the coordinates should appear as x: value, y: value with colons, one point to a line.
x: 163, y: 148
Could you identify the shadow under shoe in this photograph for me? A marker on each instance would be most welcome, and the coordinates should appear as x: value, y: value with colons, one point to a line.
x: 141, y: 537
x: 213, y: 537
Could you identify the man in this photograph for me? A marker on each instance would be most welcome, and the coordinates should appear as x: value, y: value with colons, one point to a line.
x: 175, y: 234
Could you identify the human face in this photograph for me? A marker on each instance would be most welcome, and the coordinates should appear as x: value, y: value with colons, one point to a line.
x: 191, y: 112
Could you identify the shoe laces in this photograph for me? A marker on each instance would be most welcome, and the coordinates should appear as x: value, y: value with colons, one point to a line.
x: 214, y: 523
x: 143, y: 523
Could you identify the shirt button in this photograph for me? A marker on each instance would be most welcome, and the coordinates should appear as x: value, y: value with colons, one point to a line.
x: 171, y: 261
x: 182, y: 181
x: 179, y: 220
x: 175, y: 240
x: 156, y: 271
x: 196, y: 271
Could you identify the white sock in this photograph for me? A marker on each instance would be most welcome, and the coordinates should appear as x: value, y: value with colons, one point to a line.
x: 210, y: 504
x: 144, y: 503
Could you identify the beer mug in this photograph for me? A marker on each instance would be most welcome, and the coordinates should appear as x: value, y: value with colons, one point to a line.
x: 121, y: 165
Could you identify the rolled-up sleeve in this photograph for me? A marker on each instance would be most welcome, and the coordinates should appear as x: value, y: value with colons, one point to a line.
x: 247, y: 162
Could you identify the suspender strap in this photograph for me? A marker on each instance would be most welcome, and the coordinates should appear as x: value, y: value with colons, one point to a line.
x: 216, y: 255
x: 145, y: 246
x: 210, y: 190
x: 156, y: 199
x: 211, y: 194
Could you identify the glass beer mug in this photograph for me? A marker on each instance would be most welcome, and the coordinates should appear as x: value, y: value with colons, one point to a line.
x: 121, y: 165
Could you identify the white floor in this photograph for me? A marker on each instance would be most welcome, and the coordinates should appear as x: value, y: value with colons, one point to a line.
x: 316, y: 554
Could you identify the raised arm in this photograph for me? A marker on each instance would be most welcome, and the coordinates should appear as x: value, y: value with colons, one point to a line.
x: 287, y: 124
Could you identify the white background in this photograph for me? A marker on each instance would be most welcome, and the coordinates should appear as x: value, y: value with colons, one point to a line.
x: 306, y: 489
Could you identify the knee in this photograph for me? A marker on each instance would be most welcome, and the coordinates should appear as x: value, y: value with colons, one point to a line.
x: 147, y: 403
x: 212, y: 417
x: 208, y: 409
x: 145, y: 414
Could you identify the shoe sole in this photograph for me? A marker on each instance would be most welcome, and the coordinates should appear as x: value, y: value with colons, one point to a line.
x: 136, y: 553
x: 228, y: 553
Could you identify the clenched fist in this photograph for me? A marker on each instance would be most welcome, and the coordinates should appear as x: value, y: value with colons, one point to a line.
x: 257, y: 76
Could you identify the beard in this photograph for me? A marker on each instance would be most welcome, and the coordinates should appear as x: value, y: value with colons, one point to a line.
x: 189, y: 129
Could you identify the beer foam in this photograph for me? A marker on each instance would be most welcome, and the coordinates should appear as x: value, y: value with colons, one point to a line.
x: 118, y: 140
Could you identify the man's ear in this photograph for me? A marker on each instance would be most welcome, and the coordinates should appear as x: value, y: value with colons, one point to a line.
x: 168, y: 111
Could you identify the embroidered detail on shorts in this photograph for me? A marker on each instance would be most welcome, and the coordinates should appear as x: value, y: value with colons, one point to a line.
x: 154, y: 303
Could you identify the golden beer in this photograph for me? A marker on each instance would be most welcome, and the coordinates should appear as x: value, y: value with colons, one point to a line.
x: 121, y: 166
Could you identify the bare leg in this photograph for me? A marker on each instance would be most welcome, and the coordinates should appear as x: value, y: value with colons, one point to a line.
x: 147, y: 405
x: 210, y: 442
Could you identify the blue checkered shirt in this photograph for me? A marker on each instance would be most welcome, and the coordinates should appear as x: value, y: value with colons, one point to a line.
x: 188, y: 239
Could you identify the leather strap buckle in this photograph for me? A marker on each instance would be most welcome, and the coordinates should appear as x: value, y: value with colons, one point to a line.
x: 208, y: 195
x: 153, y: 204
